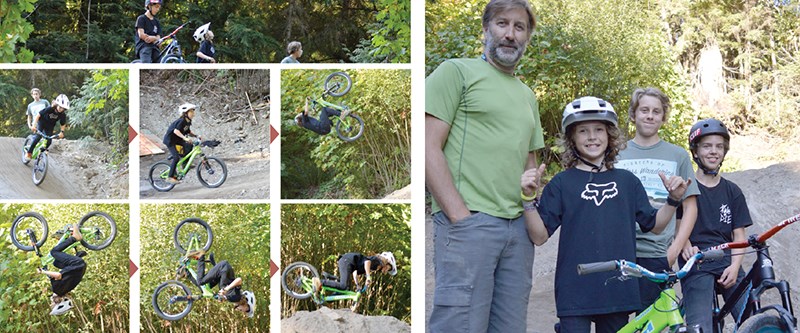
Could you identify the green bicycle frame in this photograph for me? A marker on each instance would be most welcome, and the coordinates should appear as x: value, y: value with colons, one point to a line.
x: 48, y: 259
x: 335, y: 294
x: 188, y: 263
x: 38, y: 148
x: 665, y: 312
x: 184, y: 163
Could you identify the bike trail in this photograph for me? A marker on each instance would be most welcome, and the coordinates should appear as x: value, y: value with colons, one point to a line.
x: 15, y: 177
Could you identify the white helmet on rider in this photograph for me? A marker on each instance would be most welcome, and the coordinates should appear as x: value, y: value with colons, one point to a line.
x: 200, y: 33
x: 251, y: 303
x: 62, y: 101
x: 587, y: 108
x: 61, y: 307
x: 390, y: 258
x: 186, y: 107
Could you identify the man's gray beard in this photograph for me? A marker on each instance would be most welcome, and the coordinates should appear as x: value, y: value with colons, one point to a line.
x: 498, y: 57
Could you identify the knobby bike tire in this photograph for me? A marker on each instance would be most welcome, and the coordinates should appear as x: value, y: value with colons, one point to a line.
x: 23, y: 244
x: 172, y: 60
x: 214, y: 165
x: 25, y: 145
x: 192, y: 220
x: 160, y: 312
x: 39, y: 165
x: 287, y: 274
x: 338, y: 91
x: 764, y: 323
x: 351, y: 131
x: 156, y: 182
x: 111, y: 233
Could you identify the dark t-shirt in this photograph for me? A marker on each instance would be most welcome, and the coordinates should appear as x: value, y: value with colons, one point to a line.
x: 68, y: 282
x: 208, y: 49
x: 183, y: 125
x: 720, y: 209
x: 151, y: 28
x: 358, y: 260
x: 48, y: 119
x: 598, y: 223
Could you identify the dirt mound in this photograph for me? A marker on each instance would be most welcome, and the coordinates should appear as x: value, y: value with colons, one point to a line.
x: 773, y: 194
x: 403, y: 193
x: 341, y: 321
x: 77, y: 169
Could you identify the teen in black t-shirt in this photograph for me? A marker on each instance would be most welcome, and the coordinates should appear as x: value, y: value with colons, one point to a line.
x: 177, y: 137
x: 357, y: 264
x: 148, y: 32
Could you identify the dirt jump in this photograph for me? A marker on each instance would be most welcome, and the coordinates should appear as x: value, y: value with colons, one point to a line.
x: 341, y: 321
x: 75, y: 171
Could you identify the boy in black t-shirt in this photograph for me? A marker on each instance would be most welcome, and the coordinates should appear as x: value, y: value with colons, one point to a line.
x: 321, y: 126
x: 205, y: 37
x: 72, y: 269
x: 148, y: 32
x: 46, y: 120
x: 722, y: 215
x: 177, y: 137
x: 597, y: 208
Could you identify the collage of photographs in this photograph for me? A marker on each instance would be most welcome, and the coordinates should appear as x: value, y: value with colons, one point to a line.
x: 578, y: 166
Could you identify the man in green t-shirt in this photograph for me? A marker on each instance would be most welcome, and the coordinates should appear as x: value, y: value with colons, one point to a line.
x: 481, y: 129
x: 645, y: 156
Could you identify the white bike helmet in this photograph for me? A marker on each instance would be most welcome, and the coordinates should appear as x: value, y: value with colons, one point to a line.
x: 587, y: 108
x: 390, y: 258
x: 62, y: 307
x: 62, y: 101
x: 200, y: 33
x: 251, y: 303
x: 186, y: 107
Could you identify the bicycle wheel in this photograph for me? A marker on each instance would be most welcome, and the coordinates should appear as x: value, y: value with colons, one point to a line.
x: 171, y: 59
x: 337, y: 84
x: 192, y: 230
x: 25, y: 145
x: 212, y: 172
x: 158, y: 178
x: 764, y: 323
x: 40, y: 168
x: 351, y: 128
x: 293, y: 279
x: 104, y: 230
x: 172, y: 300
x: 32, y: 221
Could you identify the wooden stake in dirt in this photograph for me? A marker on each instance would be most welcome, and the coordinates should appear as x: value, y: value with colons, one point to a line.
x: 252, y: 111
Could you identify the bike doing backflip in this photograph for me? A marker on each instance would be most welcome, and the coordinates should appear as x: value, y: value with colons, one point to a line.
x: 349, y: 126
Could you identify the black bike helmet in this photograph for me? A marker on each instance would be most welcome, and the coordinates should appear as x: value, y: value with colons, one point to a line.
x: 707, y: 127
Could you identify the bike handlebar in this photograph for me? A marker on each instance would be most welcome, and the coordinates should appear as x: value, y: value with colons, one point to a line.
x: 54, y: 136
x: 760, y: 239
x: 171, y: 34
x: 632, y: 269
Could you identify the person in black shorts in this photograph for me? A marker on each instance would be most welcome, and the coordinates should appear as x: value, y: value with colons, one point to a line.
x: 148, y: 32
x: 46, y: 121
x: 322, y: 125
x: 177, y: 137
x: 230, y: 286
x: 72, y: 271
x: 356, y: 264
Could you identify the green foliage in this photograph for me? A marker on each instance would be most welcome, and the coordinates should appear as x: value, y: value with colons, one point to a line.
x: 391, y: 35
x: 245, y: 31
x: 102, y: 110
x: 315, y: 166
x: 101, y: 298
x: 318, y: 234
x: 14, y: 30
x: 241, y: 236
x: 620, y: 49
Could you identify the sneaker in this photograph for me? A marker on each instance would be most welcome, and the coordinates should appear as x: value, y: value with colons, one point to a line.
x: 28, y: 156
x: 173, y: 180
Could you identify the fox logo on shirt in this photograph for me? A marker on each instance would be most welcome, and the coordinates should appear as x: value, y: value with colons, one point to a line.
x: 600, y: 192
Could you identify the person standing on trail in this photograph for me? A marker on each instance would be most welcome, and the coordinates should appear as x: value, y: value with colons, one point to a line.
x: 205, y: 37
x: 722, y: 216
x: 646, y: 155
x: 35, y: 107
x: 46, y: 121
x: 482, y: 129
x: 148, y: 32
x: 295, y: 50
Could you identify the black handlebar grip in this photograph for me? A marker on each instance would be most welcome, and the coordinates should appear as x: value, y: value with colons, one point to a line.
x: 713, y: 254
x: 597, y: 267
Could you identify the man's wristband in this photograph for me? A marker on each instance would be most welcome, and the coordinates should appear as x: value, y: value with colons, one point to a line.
x: 673, y: 203
x: 525, y: 197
